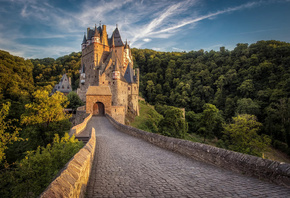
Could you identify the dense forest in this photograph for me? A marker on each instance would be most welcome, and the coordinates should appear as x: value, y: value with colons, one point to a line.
x: 251, y: 79
x: 34, y: 144
x: 242, y: 94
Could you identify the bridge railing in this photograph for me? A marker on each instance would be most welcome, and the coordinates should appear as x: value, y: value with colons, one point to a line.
x: 80, y: 127
x: 265, y: 169
x: 73, y: 178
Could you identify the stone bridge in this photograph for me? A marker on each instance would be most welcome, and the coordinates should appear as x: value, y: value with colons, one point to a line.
x: 121, y: 165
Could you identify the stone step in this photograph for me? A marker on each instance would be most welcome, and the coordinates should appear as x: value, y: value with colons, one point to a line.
x: 84, y: 139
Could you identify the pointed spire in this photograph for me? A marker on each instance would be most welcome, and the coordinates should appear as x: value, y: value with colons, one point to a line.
x: 117, y: 38
x: 126, y: 45
x: 85, y: 39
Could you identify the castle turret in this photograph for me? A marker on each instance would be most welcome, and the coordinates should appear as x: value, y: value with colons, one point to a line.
x: 96, y: 36
x: 116, y: 71
x: 84, y: 42
x: 104, y: 38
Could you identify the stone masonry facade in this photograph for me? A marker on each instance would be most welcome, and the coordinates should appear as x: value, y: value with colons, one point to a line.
x: 107, y: 62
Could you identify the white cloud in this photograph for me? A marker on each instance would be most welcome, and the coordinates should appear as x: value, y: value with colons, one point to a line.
x: 147, y: 40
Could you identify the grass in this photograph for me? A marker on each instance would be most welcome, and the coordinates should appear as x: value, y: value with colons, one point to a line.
x: 143, y: 112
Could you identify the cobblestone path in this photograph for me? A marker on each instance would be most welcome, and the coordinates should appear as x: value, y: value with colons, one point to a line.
x: 125, y: 166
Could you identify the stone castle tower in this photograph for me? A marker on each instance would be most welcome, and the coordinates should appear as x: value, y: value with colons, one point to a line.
x: 108, y: 82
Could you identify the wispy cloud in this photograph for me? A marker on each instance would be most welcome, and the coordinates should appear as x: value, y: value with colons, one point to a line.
x: 144, y: 23
x: 187, y: 22
x: 162, y: 27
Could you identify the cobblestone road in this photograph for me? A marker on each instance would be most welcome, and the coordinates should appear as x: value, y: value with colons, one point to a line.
x: 125, y: 166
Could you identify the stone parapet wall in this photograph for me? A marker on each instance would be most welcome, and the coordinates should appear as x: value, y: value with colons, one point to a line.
x: 72, y: 180
x: 264, y: 169
x: 80, y: 127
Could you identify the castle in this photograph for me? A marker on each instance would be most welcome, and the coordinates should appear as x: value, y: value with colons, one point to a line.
x: 108, y: 83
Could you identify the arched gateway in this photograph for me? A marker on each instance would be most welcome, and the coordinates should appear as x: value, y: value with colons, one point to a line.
x: 98, y: 100
x: 99, y: 109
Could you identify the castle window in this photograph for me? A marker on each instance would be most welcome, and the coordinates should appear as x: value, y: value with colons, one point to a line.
x: 67, y: 87
x: 129, y: 88
x: 62, y: 87
x: 135, y: 88
x: 103, y: 82
x: 109, y: 82
x: 64, y: 79
x: 115, y: 110
x: 113, y: 82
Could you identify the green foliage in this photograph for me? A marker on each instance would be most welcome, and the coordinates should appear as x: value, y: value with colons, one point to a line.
x: 208, y: 120
x: 247, y: 106
x: 242, y: 135
x: 148, y: 119
x: 35, y: 172
x: 16, y: 81
x: 8, y: 133
x: 44, y: 117
x: 173, y: 124
x: 74, y: 100
x: 250, y: 79
x: 48, y: 71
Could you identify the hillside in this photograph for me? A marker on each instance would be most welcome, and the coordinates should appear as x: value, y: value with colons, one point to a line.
x: 252, y: 79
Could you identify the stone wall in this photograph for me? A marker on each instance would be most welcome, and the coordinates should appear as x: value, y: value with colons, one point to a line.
x: 91, y: 100
x: 80, y: 127
x: 118, y: 113
x: 80, y: 115
x: 72, y: 180
x: 264, y: 169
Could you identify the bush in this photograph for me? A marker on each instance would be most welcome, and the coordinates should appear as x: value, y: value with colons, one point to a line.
x: 35, y: 172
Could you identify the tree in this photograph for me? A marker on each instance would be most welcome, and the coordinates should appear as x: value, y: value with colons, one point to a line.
x: 247, y: 88
x: 74, y: 100
x: 35, y: 172
x: 8, y: 132
x: 247, y: 106
x: 173, y: 124
x: 45, y: 117
x: 242, y: 136
x: 209, y: 119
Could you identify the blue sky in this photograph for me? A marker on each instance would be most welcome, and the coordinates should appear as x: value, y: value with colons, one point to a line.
x: 53, y: 28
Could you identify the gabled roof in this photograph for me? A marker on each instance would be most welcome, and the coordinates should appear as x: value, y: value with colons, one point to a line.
x: 99, y: 91
x: 129, y: 74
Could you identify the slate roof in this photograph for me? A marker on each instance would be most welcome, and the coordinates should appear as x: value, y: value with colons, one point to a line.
x: 129, y: 74
x: 84, y: 40
x: 99, y: 91
x: 116, y: 39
